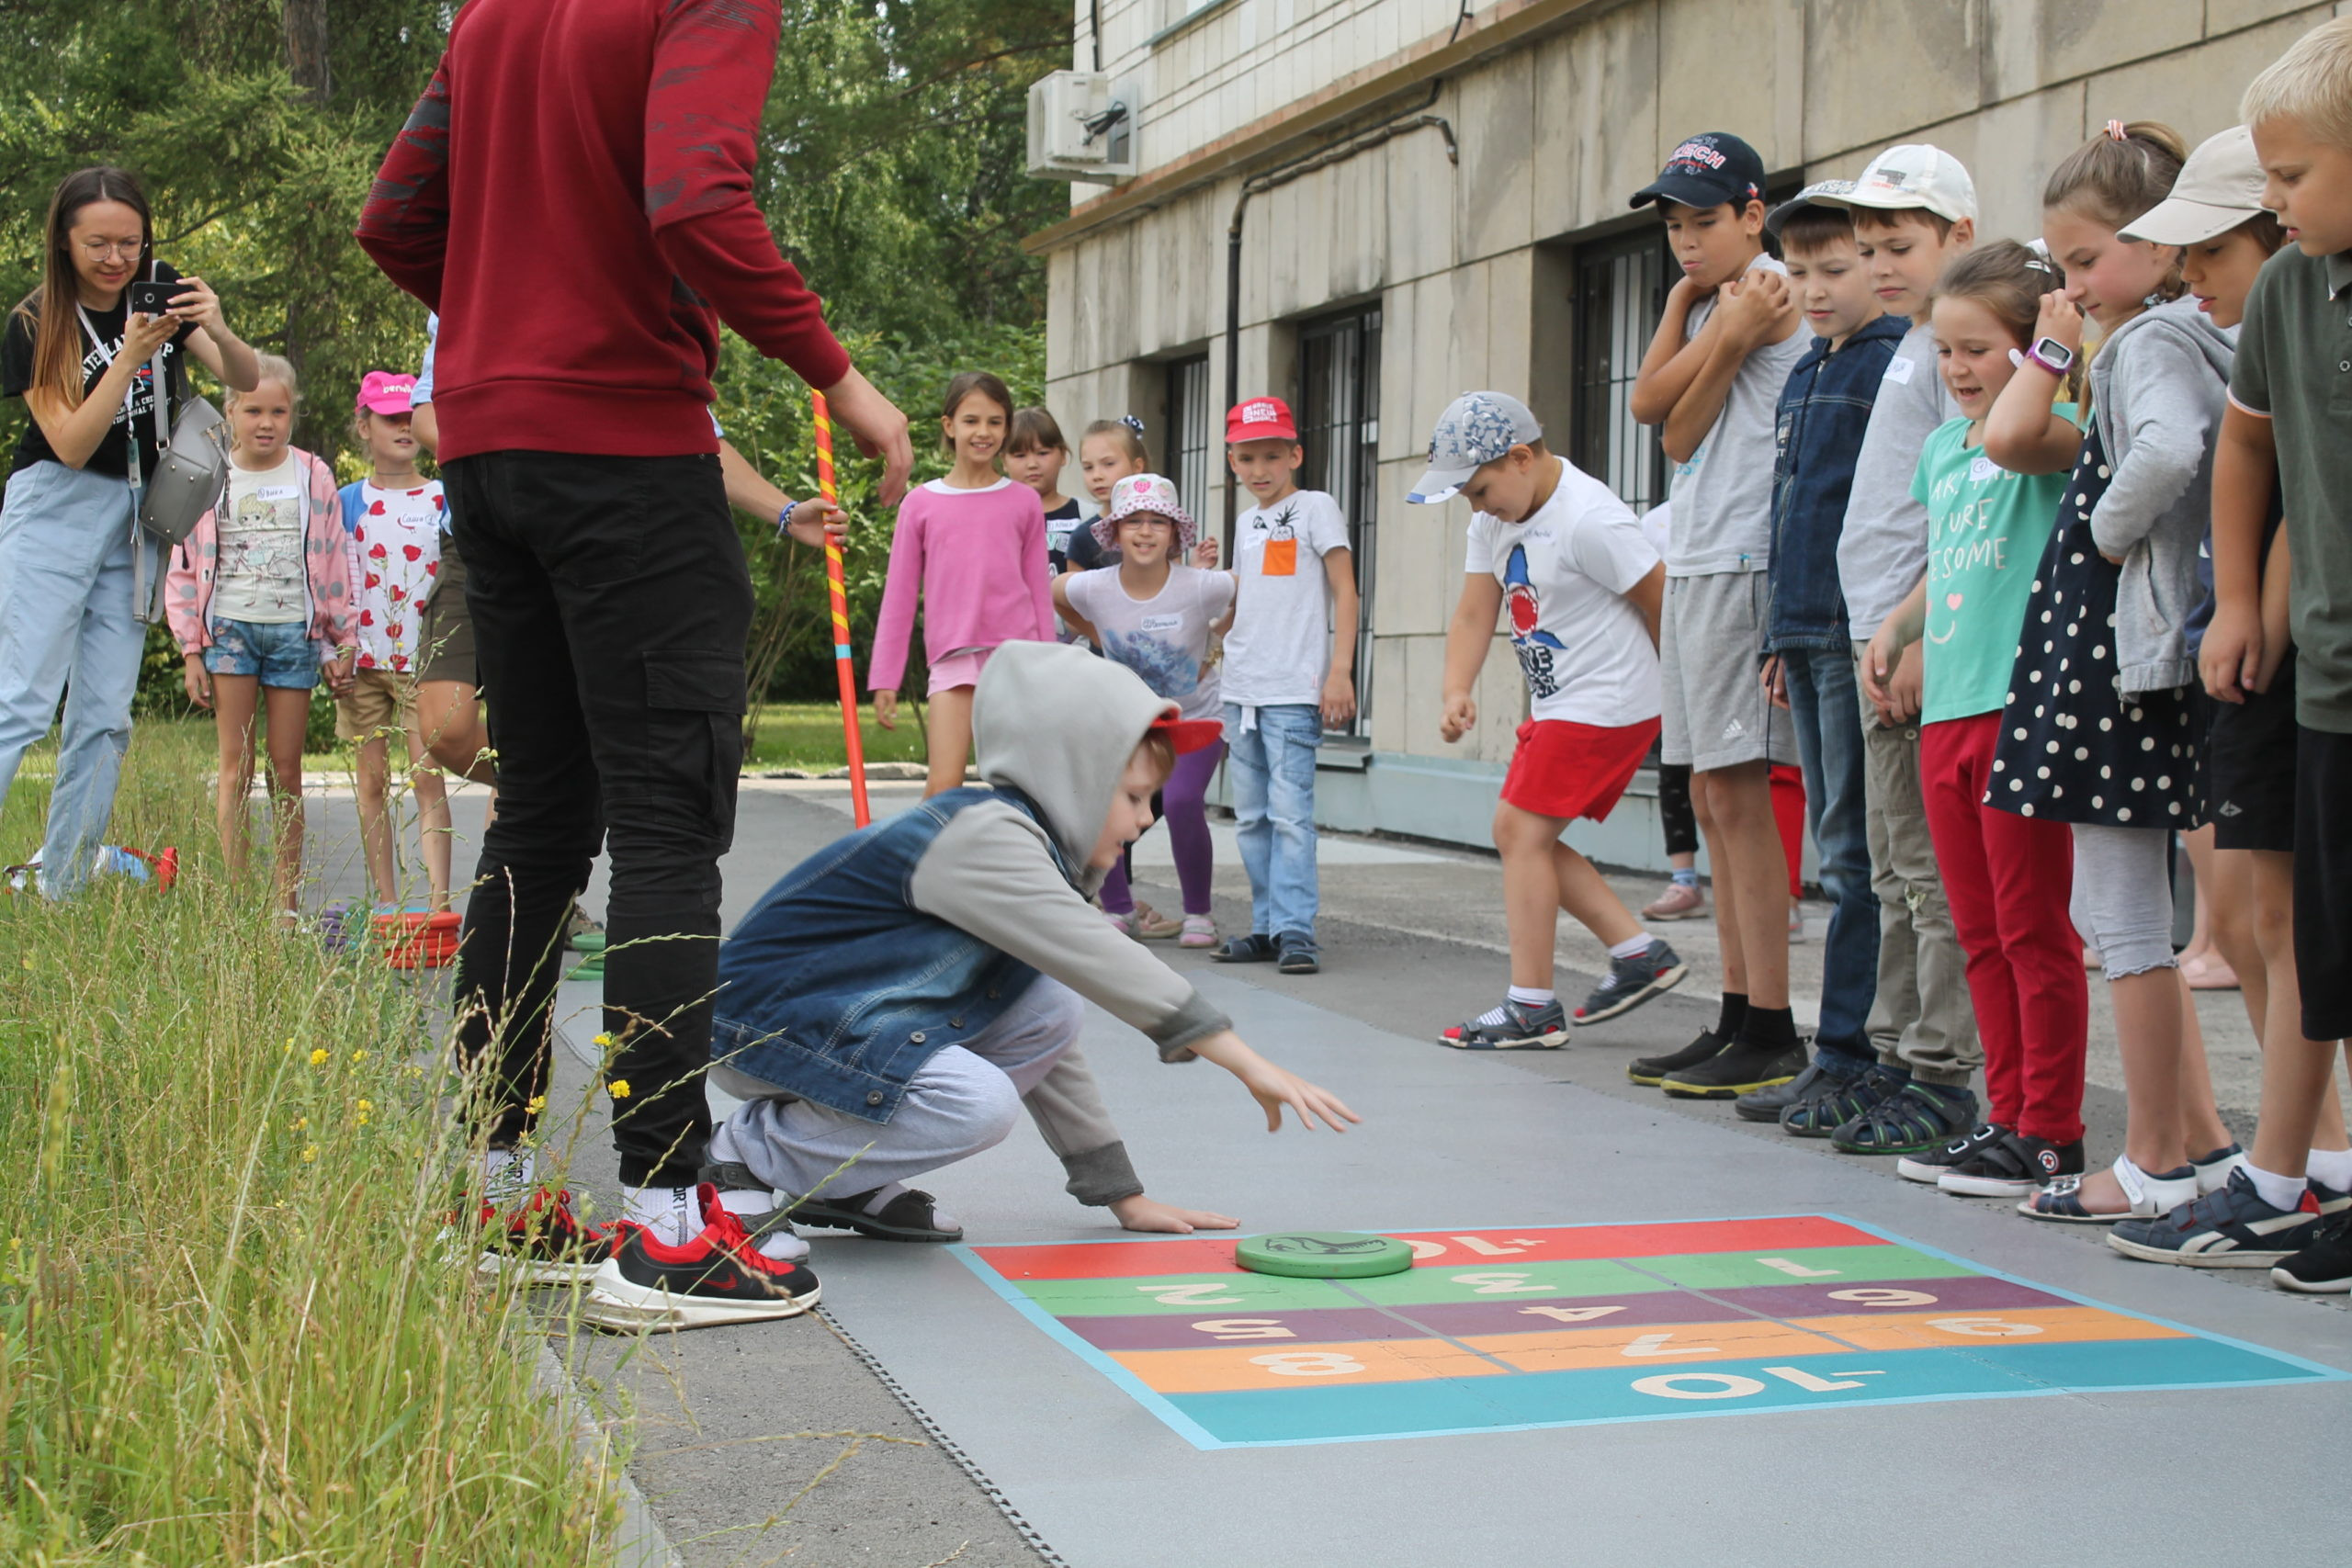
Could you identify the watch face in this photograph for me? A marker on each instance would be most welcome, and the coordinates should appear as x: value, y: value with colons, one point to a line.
x: 2054, y: 351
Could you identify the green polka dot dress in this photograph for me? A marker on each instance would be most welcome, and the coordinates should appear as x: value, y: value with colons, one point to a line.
x: 2071, y: 747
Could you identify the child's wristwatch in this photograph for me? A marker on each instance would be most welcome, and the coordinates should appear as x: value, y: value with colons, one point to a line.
x: 2052, y: 355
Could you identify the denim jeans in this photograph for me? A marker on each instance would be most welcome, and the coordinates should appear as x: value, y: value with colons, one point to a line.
x: 1829, y: 748
x: 68, y: 627
x: 1271, y: 766
x: 610, y: 603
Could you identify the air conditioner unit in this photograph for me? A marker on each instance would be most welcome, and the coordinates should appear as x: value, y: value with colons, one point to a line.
x: 1081, y: 126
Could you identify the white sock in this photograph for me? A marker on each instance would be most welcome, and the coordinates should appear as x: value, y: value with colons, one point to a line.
x: 2279, y: 1191
x: 2333, y: 1167
x: 1531, y: 996
x: 505, y: 1172
x: 1637, y: 943
x: 668, y: 1213
x: 778, y: 1243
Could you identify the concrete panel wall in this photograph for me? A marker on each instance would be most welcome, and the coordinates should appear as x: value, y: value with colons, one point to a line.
x: 1468, y: 262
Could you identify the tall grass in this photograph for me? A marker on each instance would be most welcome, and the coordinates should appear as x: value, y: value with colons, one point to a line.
x: 228, y: 1333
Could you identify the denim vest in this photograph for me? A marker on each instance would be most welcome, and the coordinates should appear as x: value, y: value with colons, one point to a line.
x: 1819, y: 429
x: 837, y: 989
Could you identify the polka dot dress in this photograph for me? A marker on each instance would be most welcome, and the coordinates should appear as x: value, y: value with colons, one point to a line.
x: 2071, y: 747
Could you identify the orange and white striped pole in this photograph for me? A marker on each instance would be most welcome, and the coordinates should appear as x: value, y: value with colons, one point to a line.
x: 843, y: 665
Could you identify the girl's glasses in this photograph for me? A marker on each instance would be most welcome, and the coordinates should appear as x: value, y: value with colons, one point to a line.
x: 99, y: 250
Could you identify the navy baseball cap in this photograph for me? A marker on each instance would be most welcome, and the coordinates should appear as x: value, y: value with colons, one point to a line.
x: 1710, y: 169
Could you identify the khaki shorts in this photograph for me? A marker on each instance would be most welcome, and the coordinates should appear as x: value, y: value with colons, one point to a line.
x: 1710, y: 647
x: 445, y: 632
x: 381, y: 702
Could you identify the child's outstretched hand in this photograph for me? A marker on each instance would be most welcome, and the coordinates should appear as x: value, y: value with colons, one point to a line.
x: 818, y: 523
x: 1142, y: 1213
x: 1273, y: 1087
x: 886, y: 709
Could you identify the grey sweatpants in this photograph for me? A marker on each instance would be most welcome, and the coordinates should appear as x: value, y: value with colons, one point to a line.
x: 964, y: 1099
x: 1922, y: 1018
x: 2122, y: 901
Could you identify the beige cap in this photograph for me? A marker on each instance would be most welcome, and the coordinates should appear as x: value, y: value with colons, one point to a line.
x: 2218, y: 188
x: 1914, y: 175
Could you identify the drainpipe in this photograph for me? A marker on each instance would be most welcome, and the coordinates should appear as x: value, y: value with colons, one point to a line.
x: 1338, y: 153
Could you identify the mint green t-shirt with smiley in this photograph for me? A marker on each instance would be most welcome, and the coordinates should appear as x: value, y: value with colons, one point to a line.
x: 1987, y: 531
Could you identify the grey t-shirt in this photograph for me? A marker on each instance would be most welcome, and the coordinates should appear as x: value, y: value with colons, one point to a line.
x: 1883, y: 552
x: 1723, y: 496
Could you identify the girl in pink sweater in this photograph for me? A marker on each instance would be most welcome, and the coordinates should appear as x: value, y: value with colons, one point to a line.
x: 973, y: 546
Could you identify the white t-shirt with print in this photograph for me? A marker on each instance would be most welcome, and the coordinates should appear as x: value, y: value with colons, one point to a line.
x: 258, y: 575
x: 1164, y: 639
x: 1723, y: 494
x: 1583, y: 647
x: 397, y: 539
x: 1280, y: 648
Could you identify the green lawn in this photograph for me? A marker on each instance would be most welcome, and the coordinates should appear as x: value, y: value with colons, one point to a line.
x: 808, y: 735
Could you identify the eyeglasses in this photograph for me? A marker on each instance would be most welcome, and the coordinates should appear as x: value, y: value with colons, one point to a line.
x: 99, y: 250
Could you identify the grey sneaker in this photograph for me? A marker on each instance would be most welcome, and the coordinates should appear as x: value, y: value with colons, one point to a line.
x: 1510, y: 1027
x: 1829, y: 1071
x: 1633, y: 981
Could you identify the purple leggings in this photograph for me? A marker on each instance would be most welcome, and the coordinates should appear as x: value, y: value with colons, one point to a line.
x: 1188, y: 834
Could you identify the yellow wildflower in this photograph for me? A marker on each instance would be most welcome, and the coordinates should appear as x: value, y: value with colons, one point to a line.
x: 617, y: 1089
x: 298, y: 1123
x: 319, y: 1057
x: 359, y: 1056
x: 537, y: 1104
x: 309, y: 1153
x: 602, y: 1041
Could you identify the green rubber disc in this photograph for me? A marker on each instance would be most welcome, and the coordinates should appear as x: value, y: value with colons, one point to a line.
x: 1324, y: 1255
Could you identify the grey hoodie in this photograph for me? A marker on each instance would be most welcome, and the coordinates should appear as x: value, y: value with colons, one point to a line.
x: 2158, y: 386
x: 1058, y: 724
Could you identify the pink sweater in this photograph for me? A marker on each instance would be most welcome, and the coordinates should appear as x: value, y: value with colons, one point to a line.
x: 978, y: 558
x: 187, y: 591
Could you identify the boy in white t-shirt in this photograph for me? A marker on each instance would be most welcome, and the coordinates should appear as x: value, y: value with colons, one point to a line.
x: 393, y: 518
x: 1712, y: 379
x: 1289, y: 670
x: 1552, y: 546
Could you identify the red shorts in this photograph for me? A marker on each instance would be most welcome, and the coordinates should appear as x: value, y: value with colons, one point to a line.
x: 1563, y: 769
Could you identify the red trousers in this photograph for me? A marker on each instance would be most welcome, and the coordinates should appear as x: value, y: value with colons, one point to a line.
x: 2008, y: 879
x: 1788, y: 814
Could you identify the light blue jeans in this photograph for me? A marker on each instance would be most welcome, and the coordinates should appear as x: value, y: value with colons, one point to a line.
x: 67, y: 627
x: 1824, y: 705
x: 1271, y: 766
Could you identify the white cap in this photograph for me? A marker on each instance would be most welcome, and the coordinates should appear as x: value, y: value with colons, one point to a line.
x: 2218, y: 188
x: 1476, y: 428
x: 1913, y: 175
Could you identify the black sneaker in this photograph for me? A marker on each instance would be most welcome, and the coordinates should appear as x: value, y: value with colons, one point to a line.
x: 912, y: 1215
x: 1650, y: 1071
x: 1929, y: 1165
x: 2012, y: 1166
x: 1295, y: 953
x: 717, y: 1277
x: 1633, y: 981
x: 1255, y: 948
x: 2324, y: 1268
x: 1514, y: 1026
x: 1742, y: 1068
x: 1917, y: 1119
x: 1766, y: 1104
x: 2232, y: 1228
x: 1832, y: 1105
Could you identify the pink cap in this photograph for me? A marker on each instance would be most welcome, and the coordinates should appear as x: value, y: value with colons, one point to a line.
x: 1260, y: 419
x: 382, y: 391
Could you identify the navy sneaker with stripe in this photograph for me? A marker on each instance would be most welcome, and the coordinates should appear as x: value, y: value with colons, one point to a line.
x: 2231, y: 1229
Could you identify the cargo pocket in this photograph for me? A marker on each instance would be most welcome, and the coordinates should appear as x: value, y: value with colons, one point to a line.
x: 697, y: 703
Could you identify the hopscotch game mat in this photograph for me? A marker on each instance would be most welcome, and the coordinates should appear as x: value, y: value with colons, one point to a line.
x: 1552, y: 1325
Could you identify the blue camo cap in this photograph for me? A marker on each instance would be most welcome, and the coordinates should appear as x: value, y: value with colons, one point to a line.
x: 1476, y: 428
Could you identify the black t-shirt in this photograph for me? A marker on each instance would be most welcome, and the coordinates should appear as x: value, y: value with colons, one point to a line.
x: 1058, y: 524
x: 111, y: 456
x: 1085, y: 555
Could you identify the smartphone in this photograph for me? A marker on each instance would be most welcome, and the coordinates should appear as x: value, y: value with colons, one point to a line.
x: 153, y: 299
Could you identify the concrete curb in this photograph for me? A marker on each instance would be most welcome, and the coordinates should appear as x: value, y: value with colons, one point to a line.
x: 640, y: 1542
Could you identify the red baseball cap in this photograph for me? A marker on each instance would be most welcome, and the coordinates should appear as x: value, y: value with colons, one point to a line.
x: 383, y: 392
x: 1260, y: 419
x: 1187, y: 734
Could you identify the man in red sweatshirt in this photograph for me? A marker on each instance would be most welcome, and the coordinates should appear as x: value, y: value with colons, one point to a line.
x: 572, y: 194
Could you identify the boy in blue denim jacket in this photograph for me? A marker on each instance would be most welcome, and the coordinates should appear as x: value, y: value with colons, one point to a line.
x: 1823, y: 412
x: 890, y: 1006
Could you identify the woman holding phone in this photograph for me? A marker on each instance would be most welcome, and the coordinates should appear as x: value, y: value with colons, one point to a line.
x: 85, y: 362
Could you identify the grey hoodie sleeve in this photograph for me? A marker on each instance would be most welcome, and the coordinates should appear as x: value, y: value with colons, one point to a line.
x: 2167, y: 401
x: 1069, y: 1111
x: 990, y: 872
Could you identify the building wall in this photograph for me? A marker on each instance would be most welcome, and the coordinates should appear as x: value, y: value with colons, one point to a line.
x: 1467, y: 261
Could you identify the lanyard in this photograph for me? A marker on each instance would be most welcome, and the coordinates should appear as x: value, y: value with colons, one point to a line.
x: 130, y: 396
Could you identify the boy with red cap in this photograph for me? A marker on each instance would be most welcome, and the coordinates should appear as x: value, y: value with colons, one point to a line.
x: 1289, y: 672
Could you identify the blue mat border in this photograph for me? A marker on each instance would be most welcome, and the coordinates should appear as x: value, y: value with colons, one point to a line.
x: 1202, y: 1438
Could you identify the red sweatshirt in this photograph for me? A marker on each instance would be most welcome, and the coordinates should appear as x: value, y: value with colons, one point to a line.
x: 573, y: 194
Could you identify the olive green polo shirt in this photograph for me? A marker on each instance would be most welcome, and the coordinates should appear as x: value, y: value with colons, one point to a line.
x: 2294, y: 368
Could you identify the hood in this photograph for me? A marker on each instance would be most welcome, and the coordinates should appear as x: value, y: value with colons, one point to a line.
x: 1058, y: 724
x: 2183, y: 321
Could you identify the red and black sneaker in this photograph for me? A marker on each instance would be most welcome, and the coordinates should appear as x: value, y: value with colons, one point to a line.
x: 718, y: 1276
x: 543, y: 1242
